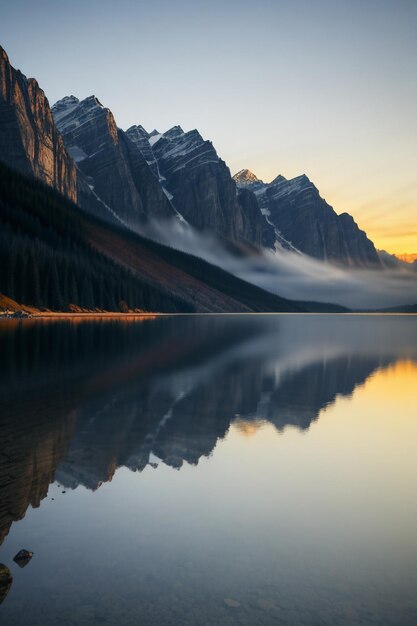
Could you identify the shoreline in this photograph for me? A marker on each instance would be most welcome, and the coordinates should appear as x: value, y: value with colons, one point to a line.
x: 146, y: 316
x: 89, y: 315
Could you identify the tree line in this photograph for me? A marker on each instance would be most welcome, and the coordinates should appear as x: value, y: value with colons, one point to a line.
x: 47, y: 262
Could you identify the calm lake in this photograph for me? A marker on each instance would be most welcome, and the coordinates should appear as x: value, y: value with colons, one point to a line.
x: 210, y: 470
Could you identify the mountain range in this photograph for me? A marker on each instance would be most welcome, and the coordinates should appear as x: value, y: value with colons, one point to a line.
x: 106, y: 184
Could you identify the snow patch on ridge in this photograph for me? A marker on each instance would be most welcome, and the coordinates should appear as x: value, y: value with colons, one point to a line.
x: 154, y: 139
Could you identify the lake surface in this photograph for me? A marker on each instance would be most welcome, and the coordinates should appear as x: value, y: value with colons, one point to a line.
x: 210, y: 470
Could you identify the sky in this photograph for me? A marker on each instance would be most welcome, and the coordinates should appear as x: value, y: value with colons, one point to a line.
x: 322, y: 87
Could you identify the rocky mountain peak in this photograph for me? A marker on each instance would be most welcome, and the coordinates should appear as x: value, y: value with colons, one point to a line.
x: 70, y: 113
x: 246, y: 177
x: 138, y: 135
x: 172, y: 133
x: 278, y: 179
x: 282, y: 186
x: 64, y: 102
x: 138, y: 129
x: 93, y: 101
x: 347, y: 217
x: 301, y: 180
x: 68, y: 104
x: 63, y: 106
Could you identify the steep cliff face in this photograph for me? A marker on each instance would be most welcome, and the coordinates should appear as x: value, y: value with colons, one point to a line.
x: 29, y: 141
x: 255, y: 227
x: 115, y: 169
x: 141, y: 139
x: 357, y: 245
x: 199, y: 183
x: 303, y: 218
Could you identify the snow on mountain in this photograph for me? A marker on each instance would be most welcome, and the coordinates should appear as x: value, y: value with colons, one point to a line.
x: 154, y: 138
x: 173, y: 149
x: 176, y: 149
x: 64, y: 106
x: 71, y: 113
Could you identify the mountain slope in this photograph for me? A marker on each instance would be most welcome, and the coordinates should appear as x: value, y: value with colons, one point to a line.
x: 52, y: 254
x: 304, y: 218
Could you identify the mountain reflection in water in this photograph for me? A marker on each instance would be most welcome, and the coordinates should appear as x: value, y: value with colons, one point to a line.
x: 79, y: 401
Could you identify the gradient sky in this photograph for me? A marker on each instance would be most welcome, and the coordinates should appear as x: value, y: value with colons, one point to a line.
x: 322, y: 87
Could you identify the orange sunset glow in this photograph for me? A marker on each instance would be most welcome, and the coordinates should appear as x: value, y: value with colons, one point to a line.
x: 408, y: 258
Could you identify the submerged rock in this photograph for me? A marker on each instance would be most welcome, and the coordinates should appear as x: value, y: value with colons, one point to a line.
x: 23, y: 557
x: 6, y: 580
x: 232, y: 603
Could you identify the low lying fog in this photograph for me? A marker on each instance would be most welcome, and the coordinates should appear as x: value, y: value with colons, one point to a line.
x: 294, y: 275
